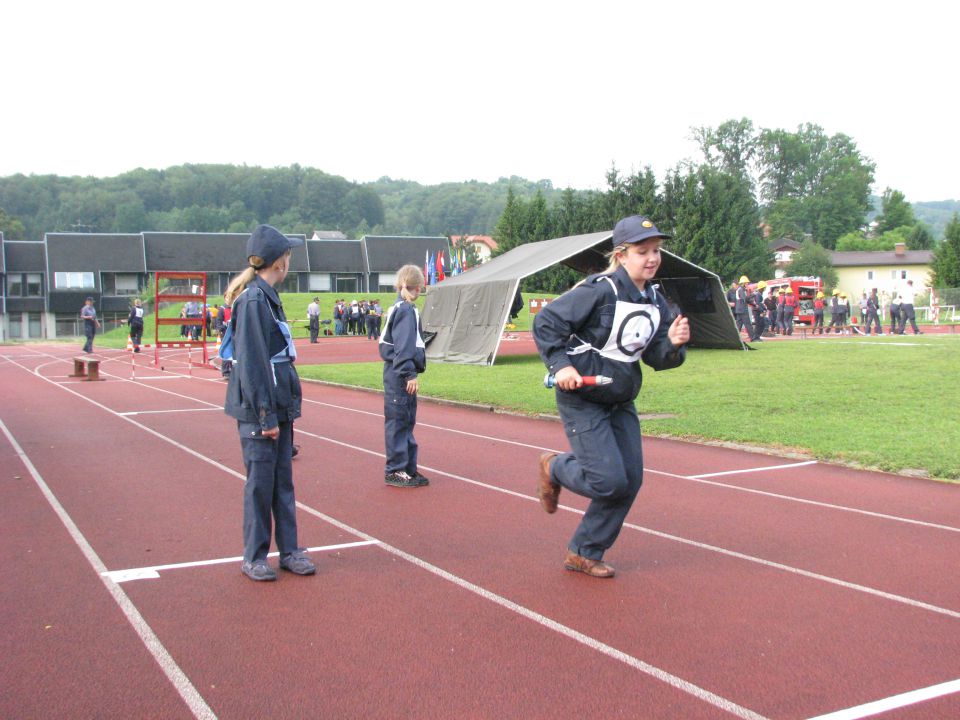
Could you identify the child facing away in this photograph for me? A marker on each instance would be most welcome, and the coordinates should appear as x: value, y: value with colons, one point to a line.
x: 404, y: 357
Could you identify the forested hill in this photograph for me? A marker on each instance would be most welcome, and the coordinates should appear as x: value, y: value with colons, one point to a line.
x: 936, y: 214
x: 229, y: 198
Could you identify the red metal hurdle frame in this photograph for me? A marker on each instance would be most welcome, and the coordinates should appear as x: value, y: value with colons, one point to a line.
x: 201, y: 297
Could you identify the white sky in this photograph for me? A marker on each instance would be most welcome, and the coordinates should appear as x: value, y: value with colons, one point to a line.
x: 452, y: 91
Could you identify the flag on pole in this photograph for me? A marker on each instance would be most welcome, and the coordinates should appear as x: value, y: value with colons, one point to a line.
x: 426, y: 267
x: 440, y: 274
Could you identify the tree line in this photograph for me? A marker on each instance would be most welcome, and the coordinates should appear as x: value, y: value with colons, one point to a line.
x: 752, y: 186
x: 229, y: 198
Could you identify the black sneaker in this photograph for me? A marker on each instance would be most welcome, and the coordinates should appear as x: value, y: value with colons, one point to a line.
x: 295, y: 451
x: 421, y: 480
x: 400, y: 479
x: 298, y: 563
x: 259, y: 571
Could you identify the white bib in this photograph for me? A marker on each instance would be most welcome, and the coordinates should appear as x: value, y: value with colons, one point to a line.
x: 634, y: 325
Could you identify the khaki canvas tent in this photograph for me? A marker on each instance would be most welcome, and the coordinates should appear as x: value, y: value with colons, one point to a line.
x: 468, y: 312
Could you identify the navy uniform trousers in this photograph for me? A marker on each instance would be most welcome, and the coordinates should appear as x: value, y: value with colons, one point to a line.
x: 268, y: 491
x: 400, y: 417
x: 605, y: 465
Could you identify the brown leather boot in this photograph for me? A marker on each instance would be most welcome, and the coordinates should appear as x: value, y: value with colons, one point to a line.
x: 593, y: 568
x: 547, y: 490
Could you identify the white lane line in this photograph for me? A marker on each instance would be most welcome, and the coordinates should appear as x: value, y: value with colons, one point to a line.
x: 153, y: 572
x: 444, y: 428
x: 803, y: 501
x: 676, y: 538
x: 568, y: 632
x: 590, y: 642
x: 159, y: 412
x: 177, y: 677
x: 892, y: 703
x: 752, y: 470
x: 690, y: 478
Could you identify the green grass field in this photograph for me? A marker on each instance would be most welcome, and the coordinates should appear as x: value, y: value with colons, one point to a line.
x: 886, y: 403
x: 881, y: 402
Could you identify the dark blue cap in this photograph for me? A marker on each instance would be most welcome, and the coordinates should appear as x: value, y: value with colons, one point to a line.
x: 269, y: 243
x: 634, y: 229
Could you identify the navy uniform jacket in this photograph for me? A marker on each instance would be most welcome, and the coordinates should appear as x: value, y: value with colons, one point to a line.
x: 398, y: 344
x: 252, y: 394
x: 587, y: 311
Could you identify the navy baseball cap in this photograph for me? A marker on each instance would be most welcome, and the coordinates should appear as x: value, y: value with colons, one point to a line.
x: 269, y: 243
x: 634, y: 229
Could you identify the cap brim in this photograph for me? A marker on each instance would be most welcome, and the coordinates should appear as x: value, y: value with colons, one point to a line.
x: 294, y: 241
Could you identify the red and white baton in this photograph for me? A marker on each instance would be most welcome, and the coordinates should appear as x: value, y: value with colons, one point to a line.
x: 550, y: 381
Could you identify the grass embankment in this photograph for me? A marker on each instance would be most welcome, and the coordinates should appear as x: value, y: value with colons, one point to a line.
x: 882, y: 402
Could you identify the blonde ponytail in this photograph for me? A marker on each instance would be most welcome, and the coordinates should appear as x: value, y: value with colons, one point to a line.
x: 240, y: 282
x: 409, y: 276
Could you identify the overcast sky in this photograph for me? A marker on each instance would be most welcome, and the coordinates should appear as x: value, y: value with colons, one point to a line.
x: 453, y: 91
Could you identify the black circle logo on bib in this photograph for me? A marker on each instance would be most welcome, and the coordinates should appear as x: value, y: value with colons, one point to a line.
x: 633, y: 330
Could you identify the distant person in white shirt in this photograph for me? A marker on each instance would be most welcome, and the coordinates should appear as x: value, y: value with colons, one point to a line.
x: 313, y: 315
x: 907, y: 296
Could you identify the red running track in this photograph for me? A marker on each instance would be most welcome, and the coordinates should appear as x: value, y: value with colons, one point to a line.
x: 748, y: 585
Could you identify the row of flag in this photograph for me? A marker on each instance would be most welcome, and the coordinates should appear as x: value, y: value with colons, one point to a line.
x: 436, y: 266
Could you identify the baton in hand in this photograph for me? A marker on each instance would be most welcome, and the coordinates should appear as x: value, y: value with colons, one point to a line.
x: 550, y: 381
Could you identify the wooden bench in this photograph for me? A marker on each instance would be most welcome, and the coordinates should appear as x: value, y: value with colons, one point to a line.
x: 87, y: 368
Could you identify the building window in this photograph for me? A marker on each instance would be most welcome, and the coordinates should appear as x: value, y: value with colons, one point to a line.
x: 319, y: 282
x: 870, y: 274
x: 25, y: 285
x: 16, y: 325
x: 74, y: 281
x: 120, y: 283
x: 34, y: 284
x: 291, y: 284
x: 386, y: 282
x: 903, y: 274
x: 346, y: 284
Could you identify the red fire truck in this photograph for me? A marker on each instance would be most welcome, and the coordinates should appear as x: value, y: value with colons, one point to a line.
x: 805, y: 288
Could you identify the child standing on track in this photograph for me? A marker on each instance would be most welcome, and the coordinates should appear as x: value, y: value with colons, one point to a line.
x: 404, y: 357
x: 604, y: 326
x: 264, y: 396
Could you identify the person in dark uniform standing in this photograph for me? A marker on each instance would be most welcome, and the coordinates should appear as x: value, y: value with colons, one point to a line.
x: 835, y: 320
x: 90, y: 323
x: 759, y: 311
x: 135, y: 321
x: 264, y: 396
x: 770, y: 303
x: 873, y: 313
x: 604, y: 326
x: 404, y: 357
x: 741, y: 310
